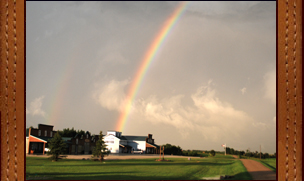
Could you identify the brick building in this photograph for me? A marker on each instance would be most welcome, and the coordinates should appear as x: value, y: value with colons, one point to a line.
x: 37, y: 140
x: 83, y: 144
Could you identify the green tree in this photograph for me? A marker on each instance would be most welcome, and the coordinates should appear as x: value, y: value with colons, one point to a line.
x: 232, y: 151
x: 100, y: 149
x: 212, y: 153
x: 56, y: 146
x: 242, y: 152
x: 227, y: 150
x: 266, y: 155
x: 172, y: 149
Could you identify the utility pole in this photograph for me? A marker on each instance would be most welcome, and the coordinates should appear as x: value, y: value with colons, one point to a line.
x: 225, y: 148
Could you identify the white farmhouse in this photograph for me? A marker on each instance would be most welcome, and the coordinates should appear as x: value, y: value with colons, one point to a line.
x: 117, y: 143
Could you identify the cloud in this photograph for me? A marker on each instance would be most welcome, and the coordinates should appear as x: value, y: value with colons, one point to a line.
x: 259, y: 124
x: 211, y: 117
x: 35, y: 107
x: 243, y: 90
x: 111, y: 96
x: 207, y: 115
x: 270, y: 85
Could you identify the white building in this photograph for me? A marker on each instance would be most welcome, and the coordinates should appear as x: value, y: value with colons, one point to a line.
x: 117, y: 143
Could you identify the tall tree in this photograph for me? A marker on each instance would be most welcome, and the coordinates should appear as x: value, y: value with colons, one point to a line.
x: 56, y: 146
x: 100, y: 150
x: 172, y: 149
x: 212, y: 153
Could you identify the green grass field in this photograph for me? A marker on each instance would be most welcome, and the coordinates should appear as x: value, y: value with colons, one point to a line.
x: 141, y: 169
x: 268, y: 162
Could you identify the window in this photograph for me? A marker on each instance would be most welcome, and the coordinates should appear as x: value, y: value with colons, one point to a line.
x: 45, y: 133
x: 76, y: 141
x: 39, y: 132
x: 51, y: 134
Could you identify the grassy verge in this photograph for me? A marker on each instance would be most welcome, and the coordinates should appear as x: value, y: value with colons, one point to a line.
x: 134, y: 169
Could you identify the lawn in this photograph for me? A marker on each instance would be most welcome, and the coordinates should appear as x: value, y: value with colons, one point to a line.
x: 133, y: 169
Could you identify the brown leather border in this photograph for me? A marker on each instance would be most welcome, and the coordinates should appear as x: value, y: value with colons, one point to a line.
x: 289, y: 89
x: 12, y: 89
x: 289, y: 77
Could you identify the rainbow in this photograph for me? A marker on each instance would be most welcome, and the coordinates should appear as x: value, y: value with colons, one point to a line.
x: 148, y: 58
x: 61, y: 90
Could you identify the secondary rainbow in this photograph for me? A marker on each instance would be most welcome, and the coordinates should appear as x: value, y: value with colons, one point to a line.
x: 148, y: 58
x: 63, y: 85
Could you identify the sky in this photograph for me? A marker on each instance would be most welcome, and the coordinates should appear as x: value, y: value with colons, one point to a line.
x: 211, y: 82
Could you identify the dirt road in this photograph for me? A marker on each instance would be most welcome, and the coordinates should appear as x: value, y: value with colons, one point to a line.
x: 258, y: 171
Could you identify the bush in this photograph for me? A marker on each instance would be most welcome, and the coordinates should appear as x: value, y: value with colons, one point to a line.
x: 212, y: 153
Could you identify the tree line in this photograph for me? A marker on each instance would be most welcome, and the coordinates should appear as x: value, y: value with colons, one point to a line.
x: 177, y: 150
x: 67, y: 132
x: 248, y: 153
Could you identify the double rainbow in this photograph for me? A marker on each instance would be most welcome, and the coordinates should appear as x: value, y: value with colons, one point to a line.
x: 148, y: 58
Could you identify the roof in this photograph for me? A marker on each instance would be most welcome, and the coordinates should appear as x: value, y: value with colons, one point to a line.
x: 135, y: 138
x: 122, y: 138
x: 36, y: 139
x: 127, y: 146
x: 87, y: 132
x: 48, y: 139
x: 153, y: 145
x: 66, y: 138
x: 45, y: 125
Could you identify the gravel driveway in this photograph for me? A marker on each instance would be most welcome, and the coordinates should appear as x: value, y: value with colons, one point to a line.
x: 258, y: 171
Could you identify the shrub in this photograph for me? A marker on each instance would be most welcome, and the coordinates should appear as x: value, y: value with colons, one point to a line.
x: 212, y: 153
